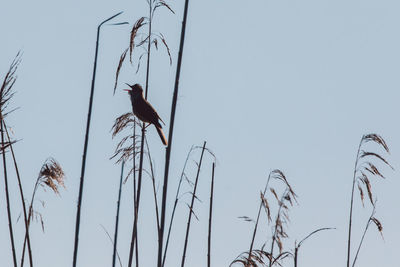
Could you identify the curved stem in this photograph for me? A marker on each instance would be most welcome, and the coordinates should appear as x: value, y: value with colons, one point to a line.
x: 363, y: 236
x: 191, y: 206
x: 351, y: 204
x: 82, y: 178
x: 175, y: 205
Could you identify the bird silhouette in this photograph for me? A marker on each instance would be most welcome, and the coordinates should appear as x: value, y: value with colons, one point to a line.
x: 144, y: 110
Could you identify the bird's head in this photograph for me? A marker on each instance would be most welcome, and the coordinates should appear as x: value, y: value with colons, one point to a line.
x: 135, y: 91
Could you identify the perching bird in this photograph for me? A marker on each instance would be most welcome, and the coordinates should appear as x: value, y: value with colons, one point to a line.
x: 144, y: 111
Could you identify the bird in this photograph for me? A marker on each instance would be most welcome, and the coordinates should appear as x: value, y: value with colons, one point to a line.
x: 144, y: 111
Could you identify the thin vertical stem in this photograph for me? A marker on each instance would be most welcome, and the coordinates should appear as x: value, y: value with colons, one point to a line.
x: 191, y: 206
x: 363, y: 236
x: 133, y: 237
x: 10, y: 228
x: 153, y: 181
x: 117, y: 216
x: 82, y: 178
x: 351, y: 203
x: 139, y: 188
x: 149, y: 48
x: 170, y: 135
x: 296, y: 252
x: 175, y: 205
x: 27, y: 237
x: 210, y: 217
x: 135, y: 191
x: 361, y: 242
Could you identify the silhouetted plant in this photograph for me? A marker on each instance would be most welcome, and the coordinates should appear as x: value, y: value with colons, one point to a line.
x: 262, y: 257
x: 191, y: 211
x: 6, y: 94
x: 210, y: 216
x: 364, y: 169
x: 51, y: 176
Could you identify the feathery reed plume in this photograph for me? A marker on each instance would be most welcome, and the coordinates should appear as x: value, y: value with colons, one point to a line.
x: 282, y: 218
x: 150, y: 39
x: 363, y: 170
x: 260, y: 256
x: 125, y: 151
x: 138, y: 24
x: 297, y: 246
x: 121, y: 60
x: 83, y: 167
x: 170, y: 135
x: 210, y: 217
x: 6, y: 94
x: 117, y: 216
x: 263, y: 203
x: 279, y: 176
x: 192, y: 204
x: 51, y: 176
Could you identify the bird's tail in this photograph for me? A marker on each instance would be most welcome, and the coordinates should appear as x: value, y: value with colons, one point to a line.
x: 162, y: 136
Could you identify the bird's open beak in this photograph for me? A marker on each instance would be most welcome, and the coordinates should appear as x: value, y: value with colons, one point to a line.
x: 128, y: 90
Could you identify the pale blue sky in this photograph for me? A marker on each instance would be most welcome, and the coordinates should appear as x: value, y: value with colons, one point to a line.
x: 269, y: 84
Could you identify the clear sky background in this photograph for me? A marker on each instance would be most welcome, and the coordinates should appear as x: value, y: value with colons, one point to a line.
x: 268, y: 84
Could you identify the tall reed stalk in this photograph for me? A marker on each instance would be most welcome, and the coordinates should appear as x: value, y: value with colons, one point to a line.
x: 5, y: 96
x: 351, y: 204
x: 117, y: 215
x: 83, y: 167
x: 210, y: 217
x: 10, y: 227
x: 134, y: 240
x: 191, y: 205
x: 170, y: 135
x: 26, y: 221
x: 362, y: 170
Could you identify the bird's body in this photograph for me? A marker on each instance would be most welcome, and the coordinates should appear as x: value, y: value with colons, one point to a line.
x: 144, y: 111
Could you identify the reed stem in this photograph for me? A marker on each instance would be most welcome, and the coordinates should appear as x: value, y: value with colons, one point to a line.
x: 191, y: 205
